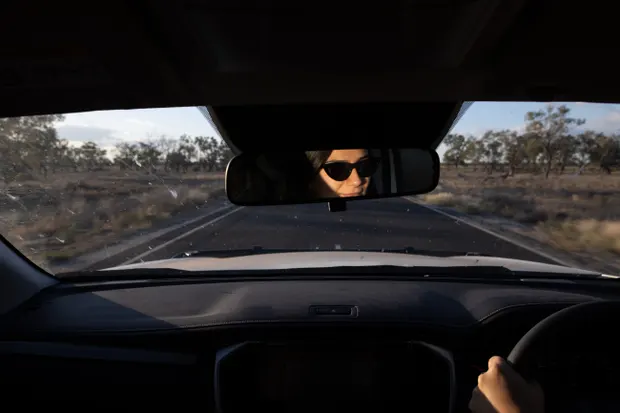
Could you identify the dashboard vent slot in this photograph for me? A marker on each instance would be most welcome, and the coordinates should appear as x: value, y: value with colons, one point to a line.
x: 333, y: 310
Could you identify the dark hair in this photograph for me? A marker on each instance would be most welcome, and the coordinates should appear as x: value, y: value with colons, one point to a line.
x: 290, y: 173
x: 317, y: 159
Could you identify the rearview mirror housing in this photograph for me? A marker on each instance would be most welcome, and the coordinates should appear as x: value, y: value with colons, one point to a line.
x: 282, y: 178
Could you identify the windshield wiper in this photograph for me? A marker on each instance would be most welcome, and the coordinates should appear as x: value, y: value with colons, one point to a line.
x: 258, y: 250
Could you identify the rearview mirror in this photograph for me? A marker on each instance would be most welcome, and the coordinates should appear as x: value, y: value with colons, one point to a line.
x: 302, y: 177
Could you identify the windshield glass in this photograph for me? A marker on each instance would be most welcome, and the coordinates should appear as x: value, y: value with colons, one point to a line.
x: 94, y: 190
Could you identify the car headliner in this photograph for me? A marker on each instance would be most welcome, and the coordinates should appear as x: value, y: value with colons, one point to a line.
x: 263, y: 66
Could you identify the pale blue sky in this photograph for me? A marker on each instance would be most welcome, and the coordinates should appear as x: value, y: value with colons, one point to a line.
x: 108, y: 128
x: 511, y: 115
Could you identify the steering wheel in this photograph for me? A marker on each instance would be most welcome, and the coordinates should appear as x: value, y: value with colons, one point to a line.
x: 580, y: 328
x: 571, y: 326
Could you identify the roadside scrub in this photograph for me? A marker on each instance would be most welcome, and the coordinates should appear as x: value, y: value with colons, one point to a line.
x: 58, y: 221
x: 578, y: 214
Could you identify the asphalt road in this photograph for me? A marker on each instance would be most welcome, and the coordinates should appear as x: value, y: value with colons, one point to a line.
x: 379, y: 224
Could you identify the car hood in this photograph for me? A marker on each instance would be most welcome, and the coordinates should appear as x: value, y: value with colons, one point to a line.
x: 326, y: 259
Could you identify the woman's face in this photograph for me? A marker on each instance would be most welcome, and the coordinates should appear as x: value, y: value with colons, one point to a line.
x: 334, y: 178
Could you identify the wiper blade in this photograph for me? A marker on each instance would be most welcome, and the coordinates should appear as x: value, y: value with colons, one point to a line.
x: 231, y: 253
x: 257, y: 250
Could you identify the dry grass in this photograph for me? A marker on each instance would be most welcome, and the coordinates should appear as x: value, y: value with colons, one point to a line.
x: 70, y: 214
x: 588, y: 234
x: 576, y: 213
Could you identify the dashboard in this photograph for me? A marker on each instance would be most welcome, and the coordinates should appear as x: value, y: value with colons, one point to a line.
x: 282, y: 345
x: 310, y: 375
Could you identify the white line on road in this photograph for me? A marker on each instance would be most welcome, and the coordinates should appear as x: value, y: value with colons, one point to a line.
x: 185, y: 234
x: 495, y: 234
x: 110, y: 251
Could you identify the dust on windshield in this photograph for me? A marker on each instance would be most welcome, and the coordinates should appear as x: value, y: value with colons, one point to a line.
x: 530, y: 181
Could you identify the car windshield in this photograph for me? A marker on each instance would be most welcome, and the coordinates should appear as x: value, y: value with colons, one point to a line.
x: 94, y: 190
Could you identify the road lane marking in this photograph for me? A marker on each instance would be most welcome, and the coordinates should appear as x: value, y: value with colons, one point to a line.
x: 495, y: 234
x: 185, y: 234
x: 88, y: 260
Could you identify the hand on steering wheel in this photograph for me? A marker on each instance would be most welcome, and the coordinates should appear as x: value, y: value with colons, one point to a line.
x: 507, y: 387
x: 502, y: 390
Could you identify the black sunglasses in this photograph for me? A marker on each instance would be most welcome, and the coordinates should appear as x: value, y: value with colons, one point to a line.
x: 341, y: 170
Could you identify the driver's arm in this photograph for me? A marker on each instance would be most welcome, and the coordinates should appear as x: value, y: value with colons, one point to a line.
x: 502, y: 390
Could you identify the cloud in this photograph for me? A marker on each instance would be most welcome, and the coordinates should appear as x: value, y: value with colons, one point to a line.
x: 81, y: 133
x: 75, y: 133
x: 608, y: 123
x: 106, y: 139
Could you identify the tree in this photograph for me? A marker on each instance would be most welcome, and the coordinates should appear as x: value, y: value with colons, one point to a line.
x: 148, y: 156
x: 126, y: 154
x: 208, y: 152
x: 513, y: 146
x: 459, y: 149
x: 491, y: 147
x: 28, y: 144
x: 91, y: 157
x: 606, y: 152
x: 566, y: 151
x: 550, y: 127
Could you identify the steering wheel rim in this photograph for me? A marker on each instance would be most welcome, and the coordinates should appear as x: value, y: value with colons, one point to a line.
x: 523, y: 356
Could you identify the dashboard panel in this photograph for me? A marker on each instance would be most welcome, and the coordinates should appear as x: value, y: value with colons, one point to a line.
x: 310, y: 375
x: 221, y: 342
x: 149, y: 307
x: 72, y: 373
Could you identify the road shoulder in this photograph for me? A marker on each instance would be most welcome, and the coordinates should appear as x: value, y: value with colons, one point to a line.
x: 506, y: 230
x: 127, y: 248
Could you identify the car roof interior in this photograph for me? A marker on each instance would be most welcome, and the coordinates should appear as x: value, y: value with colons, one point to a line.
x: 277, y: 58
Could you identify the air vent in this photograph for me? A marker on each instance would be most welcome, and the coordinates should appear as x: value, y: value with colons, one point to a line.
x: 334, y: 310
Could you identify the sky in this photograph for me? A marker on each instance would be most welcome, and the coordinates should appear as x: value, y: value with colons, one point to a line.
x: 107, y: 128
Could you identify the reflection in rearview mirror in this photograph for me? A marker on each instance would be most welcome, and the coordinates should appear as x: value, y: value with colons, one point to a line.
x: 299, y: 177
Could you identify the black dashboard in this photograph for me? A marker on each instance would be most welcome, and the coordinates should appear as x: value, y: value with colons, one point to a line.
x: 311, y: 374
x: 283, y: 344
